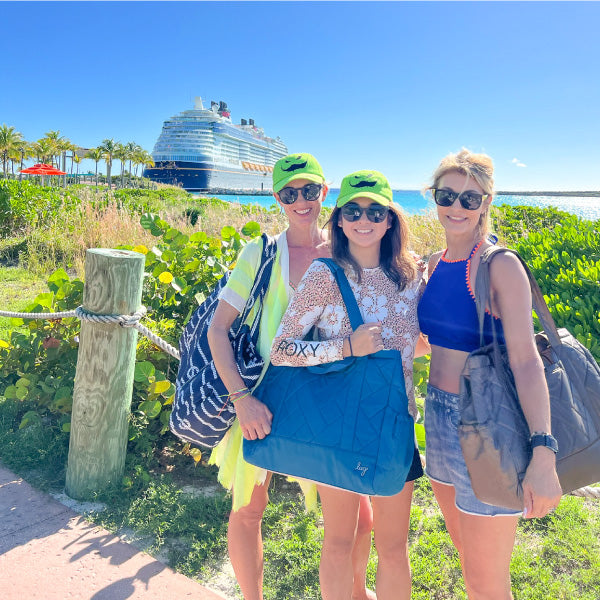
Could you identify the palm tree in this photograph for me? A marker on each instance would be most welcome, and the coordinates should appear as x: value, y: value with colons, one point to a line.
x: 144, y: 158
x: 26, y: 151
x: 131, y: 148
x: 121, y: 155
x: 75, y: 159
x: 43, y: 150
x: 96, y: 154
x: 108, y: 147
x: 10, y: 140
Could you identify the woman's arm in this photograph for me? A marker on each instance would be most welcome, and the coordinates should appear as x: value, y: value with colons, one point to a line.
x: 254, y: 416
x: 511, y: 300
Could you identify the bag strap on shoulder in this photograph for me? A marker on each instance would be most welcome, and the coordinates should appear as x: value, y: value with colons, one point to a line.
x: 352, y: 309
x: 482, y: 294
x: 261, y: 281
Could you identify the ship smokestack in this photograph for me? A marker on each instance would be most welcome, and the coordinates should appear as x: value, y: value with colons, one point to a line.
x: 252, y: 122
x: 244, y: 122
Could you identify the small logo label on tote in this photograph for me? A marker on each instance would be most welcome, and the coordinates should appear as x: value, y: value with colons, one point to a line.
x: 361, y: 469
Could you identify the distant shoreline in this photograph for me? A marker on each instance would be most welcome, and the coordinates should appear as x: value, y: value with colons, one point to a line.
x: 578, y: 194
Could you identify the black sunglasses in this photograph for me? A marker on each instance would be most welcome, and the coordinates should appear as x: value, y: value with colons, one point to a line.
x: 468, y: 200
x: 375, y: 213
x: 311, y: 191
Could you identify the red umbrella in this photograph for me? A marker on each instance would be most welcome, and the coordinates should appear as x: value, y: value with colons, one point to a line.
x: 43, y: 169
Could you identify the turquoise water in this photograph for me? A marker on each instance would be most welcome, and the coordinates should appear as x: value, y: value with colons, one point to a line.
x: 414, y: 203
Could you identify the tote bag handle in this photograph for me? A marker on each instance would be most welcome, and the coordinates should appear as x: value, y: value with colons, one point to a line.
x: 347, y: 295
x: 482, y: 295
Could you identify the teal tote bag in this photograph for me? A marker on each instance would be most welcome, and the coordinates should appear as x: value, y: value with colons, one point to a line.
x: 345, y: 424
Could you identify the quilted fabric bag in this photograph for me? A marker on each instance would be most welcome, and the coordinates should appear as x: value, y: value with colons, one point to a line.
x: 344, y: 423
x: 493, y: 433
x: 201, y: 412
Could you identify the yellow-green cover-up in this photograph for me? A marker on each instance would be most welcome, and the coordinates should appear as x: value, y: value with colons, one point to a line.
x: 235, y: 473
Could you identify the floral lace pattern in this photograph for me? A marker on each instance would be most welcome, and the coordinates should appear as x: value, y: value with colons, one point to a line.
x: 318, y: 304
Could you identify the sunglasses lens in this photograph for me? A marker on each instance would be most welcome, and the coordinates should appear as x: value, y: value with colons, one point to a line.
x: 444, y: 197
x: 471, y: 201
x: 288, y: 195
x: 351, y: 212
x: 311, y: 191
x: 376, y: 213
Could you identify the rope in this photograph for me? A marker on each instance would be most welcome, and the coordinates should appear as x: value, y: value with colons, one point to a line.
x: 83, y: 315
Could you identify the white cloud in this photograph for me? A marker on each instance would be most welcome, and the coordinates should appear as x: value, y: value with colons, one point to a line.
x: 517, y: 162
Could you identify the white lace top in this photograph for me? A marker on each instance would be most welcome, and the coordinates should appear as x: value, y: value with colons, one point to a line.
x: 318, y: 302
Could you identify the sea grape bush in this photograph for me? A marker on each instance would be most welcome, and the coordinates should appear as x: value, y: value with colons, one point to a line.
x: 566, y: 263
x: 24, y: 204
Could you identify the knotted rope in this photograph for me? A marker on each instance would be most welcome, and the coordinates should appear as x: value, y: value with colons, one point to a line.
x: 83, y: 315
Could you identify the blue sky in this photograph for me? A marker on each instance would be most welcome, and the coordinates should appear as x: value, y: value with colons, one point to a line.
x: 392, y: 86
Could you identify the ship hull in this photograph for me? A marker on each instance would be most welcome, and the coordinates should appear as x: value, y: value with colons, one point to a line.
x: 205, y: 177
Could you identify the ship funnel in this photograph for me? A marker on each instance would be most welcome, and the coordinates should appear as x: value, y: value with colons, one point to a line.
x: 251, y: 122
x: 244, y: 122
x: 198, y: 103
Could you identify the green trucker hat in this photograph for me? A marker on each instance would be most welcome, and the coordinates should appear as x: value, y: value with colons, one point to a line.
x: 296, y: 166
x: 365, y: 184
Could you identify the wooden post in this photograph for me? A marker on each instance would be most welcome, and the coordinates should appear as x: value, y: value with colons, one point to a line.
x: 104, y: 376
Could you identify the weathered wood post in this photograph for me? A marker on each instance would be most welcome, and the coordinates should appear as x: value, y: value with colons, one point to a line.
x: 104, y: 376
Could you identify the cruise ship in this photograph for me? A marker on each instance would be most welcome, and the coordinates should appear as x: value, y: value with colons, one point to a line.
x: 203, y: 150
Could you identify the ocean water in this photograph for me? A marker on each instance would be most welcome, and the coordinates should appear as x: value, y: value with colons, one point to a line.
x: 414, y: 203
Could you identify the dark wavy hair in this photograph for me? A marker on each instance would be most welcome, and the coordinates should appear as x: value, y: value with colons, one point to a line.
x: 395, y: 258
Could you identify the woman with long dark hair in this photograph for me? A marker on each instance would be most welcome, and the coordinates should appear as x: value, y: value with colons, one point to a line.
x: 370, y: 240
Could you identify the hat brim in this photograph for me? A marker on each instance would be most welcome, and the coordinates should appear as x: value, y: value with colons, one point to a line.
x: 362, y: 194
x: 309, y: 176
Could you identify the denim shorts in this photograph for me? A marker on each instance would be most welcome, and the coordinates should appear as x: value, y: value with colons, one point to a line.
x: 444, y: 460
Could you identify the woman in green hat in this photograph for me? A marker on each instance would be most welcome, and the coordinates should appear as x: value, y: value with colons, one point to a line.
x: 299, y: 188
x: 370, y: 240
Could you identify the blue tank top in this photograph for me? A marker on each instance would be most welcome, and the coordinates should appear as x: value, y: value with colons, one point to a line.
x: 447, y: 310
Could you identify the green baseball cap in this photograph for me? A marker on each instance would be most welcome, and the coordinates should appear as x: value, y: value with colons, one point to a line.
x: 296, y: 166
x: 365, y: 184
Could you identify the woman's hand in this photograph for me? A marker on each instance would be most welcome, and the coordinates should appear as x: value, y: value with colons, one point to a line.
x: 254, y: 417
x: 366, y: 339
x: 541, y: 488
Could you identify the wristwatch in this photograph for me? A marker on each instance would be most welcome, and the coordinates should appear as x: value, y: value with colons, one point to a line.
x: 541, y: 438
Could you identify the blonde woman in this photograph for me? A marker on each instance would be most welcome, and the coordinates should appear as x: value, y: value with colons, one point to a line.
x: 483, y: 534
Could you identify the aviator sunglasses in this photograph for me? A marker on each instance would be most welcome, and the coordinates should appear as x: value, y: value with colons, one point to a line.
x: 375, y: 213
x: 310, y: 191
x: 468, y: 200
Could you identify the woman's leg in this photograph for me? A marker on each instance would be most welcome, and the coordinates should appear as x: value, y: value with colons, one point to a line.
x: 340, y: 516
x: 361, y: 551
x: 244, y: 539
x: 485, y: 546
x: 391, y: 517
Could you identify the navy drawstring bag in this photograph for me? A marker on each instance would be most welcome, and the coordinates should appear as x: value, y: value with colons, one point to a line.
x: 202, y: 412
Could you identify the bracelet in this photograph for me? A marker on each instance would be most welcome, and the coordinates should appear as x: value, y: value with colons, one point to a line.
x: 238, y: 394
x: 350, y: 344
x: 240, y: 397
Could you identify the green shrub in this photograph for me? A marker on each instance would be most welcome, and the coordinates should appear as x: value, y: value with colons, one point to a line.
x: 565, y: 261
